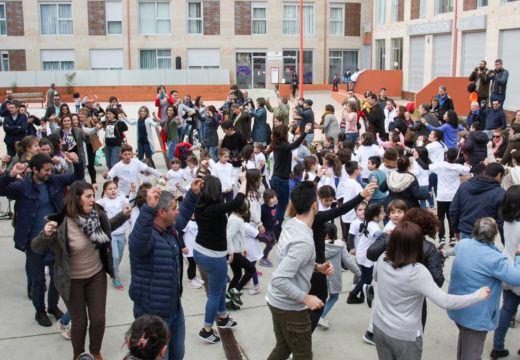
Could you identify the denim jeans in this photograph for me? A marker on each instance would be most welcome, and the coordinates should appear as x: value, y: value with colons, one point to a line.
x: 118, y: 247
x: 212, y: 150
x: 329, y: 304
x: 366, y: 278
x: 37, y: 264
x: 145, y: 150
x: 171, y: 148
x: 429, y: 200
x: 352, y: 137
x: 432, y: 187
x: 112, y: 155
x: 281, y: 187
x: 65, y: 319
x: 216, y: 269
x: 308, y: 138
x: 176, y: 323
x: 202, y: 131
x: 509, y: 308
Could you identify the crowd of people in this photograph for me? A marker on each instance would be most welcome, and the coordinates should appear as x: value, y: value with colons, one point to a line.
x: 388, y: 177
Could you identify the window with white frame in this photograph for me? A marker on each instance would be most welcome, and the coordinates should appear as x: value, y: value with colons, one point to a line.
x: 482, y: 3
x: 3, y: 21
x: 510, y: 1
x: 380, y: 54
x: 259, y: 18
x: 443, y: 6
x: 397, y: 54
x: 154, y: 17
x: 336, y: 19
x: 381, y: 11
x: 422, y: 8
x: 106, y: 59
x: 341, y: 60
x: 291, y: 19
x: 203, y: 59
x: 194, y: 18
x: 56, y: 60
x: 114, y: 17
x: 4, y: 65
x: 56, y: 18
x: 291, y: 62
x: 151, y: 59
x: 395, y: 11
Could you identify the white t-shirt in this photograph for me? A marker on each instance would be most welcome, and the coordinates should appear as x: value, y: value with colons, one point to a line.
x: 352, y: 188
x: 364, y: 244
x: 129, y: 173
x: 112, y: 208
x: 251, y: 243
x: 436, y: 151
x: 308, y: 176
x: 448, y: 179
x: 354, y: 230
x: 327, y: 178
x: 259, y: 157
x: 421, y: 174
x: 386, y: 170
x: 250, y: 164
x: 390, y: 226
x: 190, y: 233
x: 226, y: 175
x: 363, y: 153
x: 190, y: 175
x: 175, y: 177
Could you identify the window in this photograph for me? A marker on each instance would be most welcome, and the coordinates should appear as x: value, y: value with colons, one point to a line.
x: 509, y: 1
x: 203, y: 59
x: 422, y: 8
x: 380, y: 54
x: 155, y: 59
x: 106, y: 59
x: 4, y: 66
x: 336, y: 19
x: 397, y: 54
x: 291, y: 19
x: 395, y: 11
x: 154, y: 18
x: 114, y: 16
x: 259, y: 18
x: 341, y: 60
x: 56, y: 60
x: 444, y: 6
x: 291, y: 62
x: 3, y: 22
x: 194, y: 18
x: 482, y: 3
x: 381, y: 11
x: 56, y: 19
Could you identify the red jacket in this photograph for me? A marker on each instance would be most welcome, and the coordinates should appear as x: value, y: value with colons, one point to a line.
x: 158, y: 104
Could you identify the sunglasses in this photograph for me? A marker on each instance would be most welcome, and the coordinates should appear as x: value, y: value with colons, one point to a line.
x: 496, y: 136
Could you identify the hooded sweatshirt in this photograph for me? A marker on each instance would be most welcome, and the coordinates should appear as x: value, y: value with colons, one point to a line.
x: 476, y: 147
x: 295, y: 256
x: 403, y: 186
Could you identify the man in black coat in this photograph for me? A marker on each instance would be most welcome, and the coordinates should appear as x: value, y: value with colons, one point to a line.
x: 15, y: 127
x: 376, y: 116
x: 241, y: 121
x: 475, y: 144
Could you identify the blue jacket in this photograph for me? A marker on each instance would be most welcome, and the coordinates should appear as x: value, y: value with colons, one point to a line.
x: 450, y: 134
x: 495, y: 119
x: 27, y: 197
x: 259, y: 133
x: 476, y: 265
x: 15, y: 130
x: 156, y: 260
x: 476, y: 198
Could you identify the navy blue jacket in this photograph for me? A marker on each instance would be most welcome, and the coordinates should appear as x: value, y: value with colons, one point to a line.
x: 156, y: 260
x: 476, y: 198
x: 495, y: 119
x: 26, y: 194
x: 15, y: 130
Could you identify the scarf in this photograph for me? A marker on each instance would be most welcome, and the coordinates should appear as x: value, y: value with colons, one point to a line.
x: 92, y: 228
x: 323, y: 119
x: 497, y: 145
x: 442, y: 99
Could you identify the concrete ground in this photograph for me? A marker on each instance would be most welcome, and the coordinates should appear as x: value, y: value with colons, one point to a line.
x: 22, y: 338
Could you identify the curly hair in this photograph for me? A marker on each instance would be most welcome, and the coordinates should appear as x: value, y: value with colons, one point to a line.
x: 426, y: 220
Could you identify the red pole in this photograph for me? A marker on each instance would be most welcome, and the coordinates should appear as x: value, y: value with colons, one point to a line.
x: 325, y: 44
x: 455, y: 40
x: 301, y: 49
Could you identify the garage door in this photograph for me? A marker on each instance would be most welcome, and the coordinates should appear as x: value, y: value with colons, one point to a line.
x: 473, y: 50
x: 441, y: 55
x: 510, y: 53
x: 416, y: 76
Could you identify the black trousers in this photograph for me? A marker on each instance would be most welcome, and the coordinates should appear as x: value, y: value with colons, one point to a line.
x: 91, y: 156
x: 240, y: 262
x: 192, y: 267
x: 320, y: 289
x: 443, y: 210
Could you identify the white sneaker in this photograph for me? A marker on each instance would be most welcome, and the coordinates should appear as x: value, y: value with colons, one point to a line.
x: 200, y: 281
x: 255, y: 290
x: 64, y: 329
x: 323, y: 323
x: 194, y: 284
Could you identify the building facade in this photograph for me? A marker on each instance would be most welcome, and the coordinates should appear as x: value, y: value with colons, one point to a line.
x: 254, y: 40
x: 434, y: 38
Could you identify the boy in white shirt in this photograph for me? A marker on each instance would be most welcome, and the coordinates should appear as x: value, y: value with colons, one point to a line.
x: 224, y: 171
x: 350, y: 188
x: 176, y: 178
x: 260, y: 161
x: 395, y: 211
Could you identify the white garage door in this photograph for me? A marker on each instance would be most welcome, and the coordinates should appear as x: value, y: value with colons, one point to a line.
x: 442, y: 50
x: 106, y: 59
x: 510, y: 53
x: 416, y: 73
x: 473, y: 50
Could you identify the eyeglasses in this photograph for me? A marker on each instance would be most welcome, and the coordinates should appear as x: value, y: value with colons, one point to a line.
x: 496, y: 136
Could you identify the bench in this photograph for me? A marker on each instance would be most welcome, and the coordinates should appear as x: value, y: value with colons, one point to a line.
x: 36, y: 97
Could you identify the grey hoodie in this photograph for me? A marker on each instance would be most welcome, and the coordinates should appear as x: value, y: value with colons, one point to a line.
x: 295, y: 259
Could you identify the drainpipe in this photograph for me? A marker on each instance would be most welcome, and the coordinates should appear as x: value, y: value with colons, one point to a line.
x: 455, y: 40
x: 372, y: 32
x: 128, y: 34
x: 301, y: 49
x: 325, y: 43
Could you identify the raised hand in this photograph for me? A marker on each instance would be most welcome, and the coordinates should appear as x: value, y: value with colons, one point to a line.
x: 152, y: 197
x: 50, y: 228
x: 369, y: 189
x: 308, y: 128
x: 18, y: 169
x: 6, y: 159
x: 72, y: 157
x: 196, y: 186
x: 127, y: 210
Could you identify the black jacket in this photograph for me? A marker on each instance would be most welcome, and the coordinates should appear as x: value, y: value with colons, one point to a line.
x: 376, y: 119
x: 476, y: 147
x: 398, y: 123
x: 432, y: 259
x: 499, y: 84
x: 403, y: 186
x: 448, y: 105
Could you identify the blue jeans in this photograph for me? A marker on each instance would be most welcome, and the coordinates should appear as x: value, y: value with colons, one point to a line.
x: 309, y: 137
x: 255, y: 275
x: 432, y: 187
x: 352, y: 137
x: 118, y: 247
x: 216, y: 269
x: 366, y: 278
x: 281, y: 187
x: 65, y: 319
x: 430, y: 198
x: 212, y: 150
x: 145, y: 150
x: 202, y: 131
x: 37, y: 264
x: 177, y: 327
x: 464, y: 235
x: 112, y: 155
x: 329, y: 304
x: 171, y: 148
x: 509, y: 308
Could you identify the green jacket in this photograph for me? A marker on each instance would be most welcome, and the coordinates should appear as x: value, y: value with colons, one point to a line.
x: 172, y: 134
x: 282, y: 110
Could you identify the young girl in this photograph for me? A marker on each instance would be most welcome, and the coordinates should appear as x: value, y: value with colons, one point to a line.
x: 147, y: 338
x: 114, y: 204
x: 176, y: 178
x: 253, y: 196
x: 336, y: 252
x: 269, y: 222
x: 310, y: 164
x: 389, y: 160
x: 354, y: 233
x: 248, y: 154
x: 373, y: 214
x: 223, y: 170
x: 350, y: 189
x: 253, y: 249
x: 296, y: 176
x: 331, y: 171
x: 190, y: 233
x: 261, y: 162
x: 421, y: 170
x: 204, y: 164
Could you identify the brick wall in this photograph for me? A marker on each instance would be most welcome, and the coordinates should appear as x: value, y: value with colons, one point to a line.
x: 242, y: 18
x: 211, y: 15
x: 17, y: 60
x: 96, y: 18
x: 14, y: 18
x: 400, y: 10
x: 469, y: 5
x: 415, y: 8
x: 352, y: 19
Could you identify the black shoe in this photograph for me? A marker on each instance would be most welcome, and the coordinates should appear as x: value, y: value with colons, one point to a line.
x: 29, y: 290
x: 369, y: 338
x: 56, y: 312
x: 230, y: 305
x: 368, y: 292
x: 497, y: 354
x: 209, y: 337
x: 441, y: 244
x: 225, y: 323
x: 42, y: 318
x: 234, y: 296
x: 354, y: 300
x: 453, y: 242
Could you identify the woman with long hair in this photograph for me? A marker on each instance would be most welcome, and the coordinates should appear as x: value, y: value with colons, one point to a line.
x: 200, y: 121
x: 72, y: 139
x: 450, y: 129
x: 499, y: 143
x: 349, y: 121
x: 212, y: 121
x: 259, y: 132
x: 64, y: 110
x: 80, y: 237
x: 145, y: 142
x: 329, y: 124
x: 169, y: 125
x: 115, y: 127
